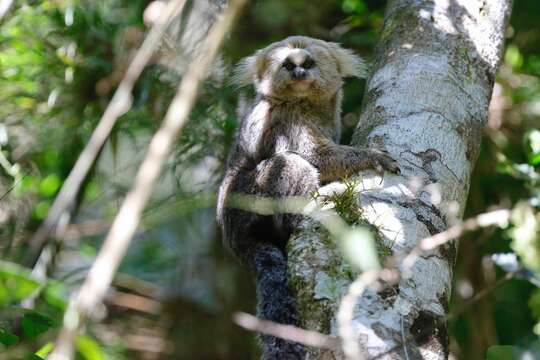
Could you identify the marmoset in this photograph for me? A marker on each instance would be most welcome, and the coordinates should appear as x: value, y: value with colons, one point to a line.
x: 287, y: 145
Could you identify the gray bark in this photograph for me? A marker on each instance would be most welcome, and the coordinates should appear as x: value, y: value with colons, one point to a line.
x: 426, y: 104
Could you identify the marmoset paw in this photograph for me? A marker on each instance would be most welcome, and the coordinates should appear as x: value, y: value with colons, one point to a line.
x: 381, y: 162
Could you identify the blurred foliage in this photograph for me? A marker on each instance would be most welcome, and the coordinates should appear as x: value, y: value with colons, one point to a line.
x: 60, y: 61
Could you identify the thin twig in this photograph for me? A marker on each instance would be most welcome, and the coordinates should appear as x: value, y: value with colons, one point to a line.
x: 125, y: 224
x: 480, y: 295
x: 134, y: 302
x: 120, y: 103
x: 15, y: 183
x: 345, y: 314
x: 497, y: 217
x: 287, y: 332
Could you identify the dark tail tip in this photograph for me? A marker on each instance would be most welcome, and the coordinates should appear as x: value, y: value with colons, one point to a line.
x: 275, y: 301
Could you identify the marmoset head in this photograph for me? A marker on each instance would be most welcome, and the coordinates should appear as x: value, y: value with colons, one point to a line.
x: 299, y: 67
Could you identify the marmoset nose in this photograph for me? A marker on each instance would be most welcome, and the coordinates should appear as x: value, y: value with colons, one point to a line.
x: 299, y: 73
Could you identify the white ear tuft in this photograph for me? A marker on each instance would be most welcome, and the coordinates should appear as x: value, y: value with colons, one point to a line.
x: 349, y: 63
x: 244, y: 71
x: 247, y: 69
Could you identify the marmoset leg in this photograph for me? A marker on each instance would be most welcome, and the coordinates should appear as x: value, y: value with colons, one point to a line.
x: 259, y: 240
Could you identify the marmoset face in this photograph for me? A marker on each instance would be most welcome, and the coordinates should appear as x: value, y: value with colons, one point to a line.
x: 299, y: 67
x: 299, y: 72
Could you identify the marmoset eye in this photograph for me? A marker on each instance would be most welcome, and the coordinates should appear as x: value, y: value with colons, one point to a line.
x: 308, y: 64
x: 289, y: 65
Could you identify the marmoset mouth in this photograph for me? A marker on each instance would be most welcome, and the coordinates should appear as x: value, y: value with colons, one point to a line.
x: 301, y: 84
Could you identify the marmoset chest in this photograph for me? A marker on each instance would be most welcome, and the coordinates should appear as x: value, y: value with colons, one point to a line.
x: 270, y: 129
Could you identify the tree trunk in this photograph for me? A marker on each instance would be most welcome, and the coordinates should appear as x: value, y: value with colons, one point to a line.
x: 426, y: 104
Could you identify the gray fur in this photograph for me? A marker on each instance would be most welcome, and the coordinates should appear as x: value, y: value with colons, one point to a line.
x: 287, y: 146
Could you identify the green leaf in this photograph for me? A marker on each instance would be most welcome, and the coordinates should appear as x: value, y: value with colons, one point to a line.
x: 534, y: 159
x: 49, y: 185
x: 55, y: 294
x: 354, y: 6
x: 16, y: 283
x: 534, y: 303
x: 509, y: 352
x: 45, y: 350
x: 532, y: 145
x: 524, y: 234
x: 41, y: 209
x: 34, y: 324
x: 7, y: 338
x: 88, y: 348
x: 503, y: 352
x: 513, y: 56
x: 91, y: 191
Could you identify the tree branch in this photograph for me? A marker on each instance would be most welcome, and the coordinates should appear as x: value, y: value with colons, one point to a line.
x: 287, y: 332
x: 425, y: 104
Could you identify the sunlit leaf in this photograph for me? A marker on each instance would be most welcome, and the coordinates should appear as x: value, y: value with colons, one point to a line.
x: 45, y: 350
x: 88, y: 348
x: 360, y: 249
x: 513, y: 56
x: 354, y: 6
x: 532, y: 141
x: 524, y: 236
x: 49, y: 185
x: 15, y: 283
